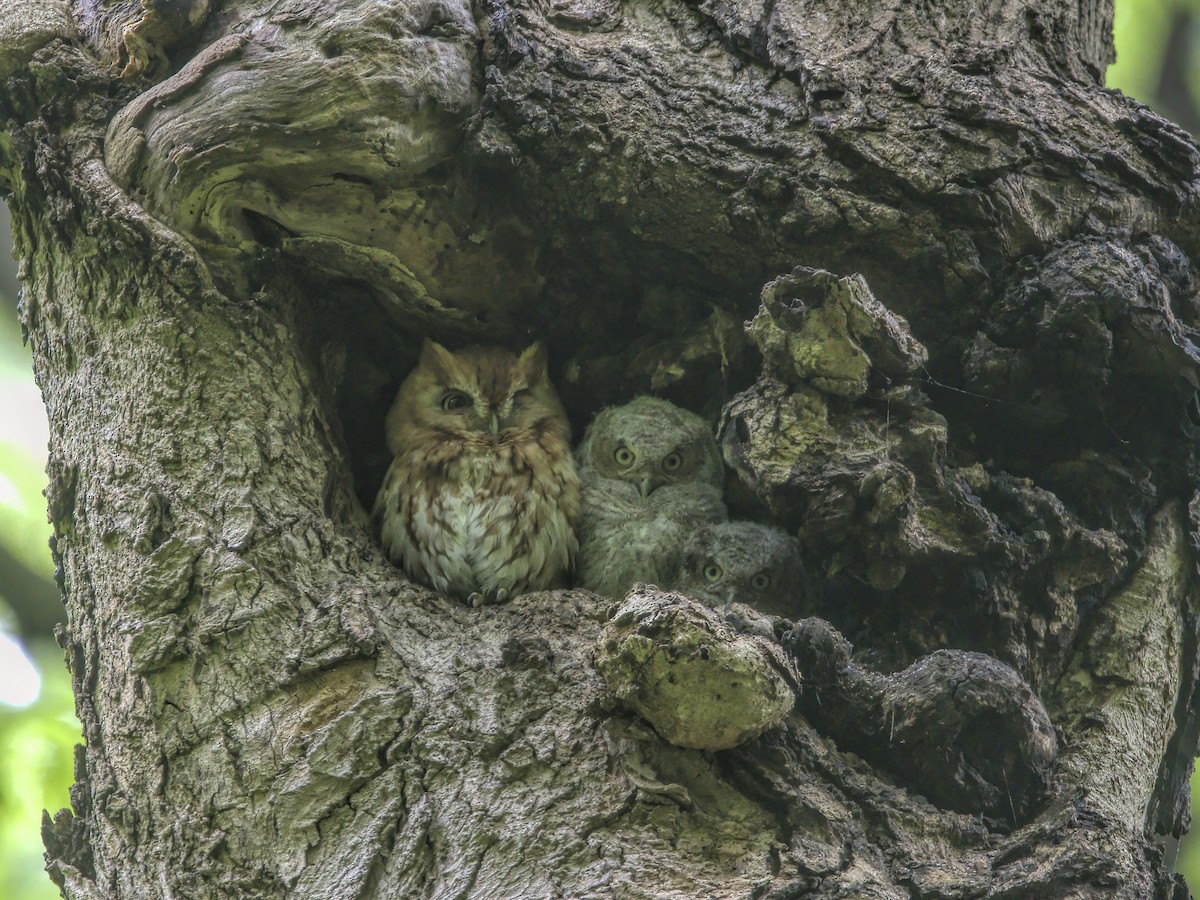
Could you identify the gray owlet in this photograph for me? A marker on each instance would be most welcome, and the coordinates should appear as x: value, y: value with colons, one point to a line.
x: 744, y: 562
x: 652, y: 474
x: 482, y: 497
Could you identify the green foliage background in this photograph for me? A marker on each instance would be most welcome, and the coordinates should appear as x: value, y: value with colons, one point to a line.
x: 37, y: 741
x: 1158, y: 62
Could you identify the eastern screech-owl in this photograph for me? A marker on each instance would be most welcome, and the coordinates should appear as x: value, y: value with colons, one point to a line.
x: 652, y: 474
x: 482, y: 498
x: 744, y: 562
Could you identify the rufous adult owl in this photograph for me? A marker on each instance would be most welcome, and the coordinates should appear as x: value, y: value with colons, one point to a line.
x: 652, y: 474
x: 482, y: 497
x: 744, y: 562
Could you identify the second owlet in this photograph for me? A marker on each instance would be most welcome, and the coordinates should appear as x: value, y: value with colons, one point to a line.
x: 652, y: 474
x: 744, y: 562
x: 482, y: 497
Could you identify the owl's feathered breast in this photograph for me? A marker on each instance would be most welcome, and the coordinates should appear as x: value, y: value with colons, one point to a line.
x: 466, y: 512
x: 626, y: 537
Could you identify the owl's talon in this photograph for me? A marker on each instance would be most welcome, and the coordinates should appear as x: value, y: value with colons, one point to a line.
x: 486, y: 598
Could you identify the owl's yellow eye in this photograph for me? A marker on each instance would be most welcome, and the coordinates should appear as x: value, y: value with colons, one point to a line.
x: 671, y: 462
x: 624, y: 457
x: 761, y: 581
x: 453, y: 400
x: 712, y: 571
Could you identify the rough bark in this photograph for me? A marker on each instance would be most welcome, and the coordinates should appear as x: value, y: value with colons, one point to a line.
x: 968, y: 384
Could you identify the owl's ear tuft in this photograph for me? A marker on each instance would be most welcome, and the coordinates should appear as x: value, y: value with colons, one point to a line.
x: 534, y: 360
x: 436, y: 357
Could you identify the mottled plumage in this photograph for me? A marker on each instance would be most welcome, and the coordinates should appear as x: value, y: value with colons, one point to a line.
x: 482, y: 498
x: 652, y: 474
x: 744, y: 562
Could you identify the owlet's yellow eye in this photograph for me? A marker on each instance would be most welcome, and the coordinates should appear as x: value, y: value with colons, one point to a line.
x: 761, y: 581
x: 671, y: 462
x: 712, y: 571
x: 453, y: 400
x: 624, y: 457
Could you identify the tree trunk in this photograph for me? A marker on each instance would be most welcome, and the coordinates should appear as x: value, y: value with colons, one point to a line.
x: 968, y: 383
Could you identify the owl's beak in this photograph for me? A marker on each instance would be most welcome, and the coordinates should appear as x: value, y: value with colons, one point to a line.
x: 645, y: 487
x: 495, y: 423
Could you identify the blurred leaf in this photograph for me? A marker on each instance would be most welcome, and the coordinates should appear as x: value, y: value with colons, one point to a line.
x: 1140, y: 32
x: 23, y: 434
x: 37, y: 742
x: 37, y: 745
x: 1188, y: 863
x: 23, y: 526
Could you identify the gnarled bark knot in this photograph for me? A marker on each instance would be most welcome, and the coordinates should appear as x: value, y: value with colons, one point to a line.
x: 700, y: 684
x: 961, y: 728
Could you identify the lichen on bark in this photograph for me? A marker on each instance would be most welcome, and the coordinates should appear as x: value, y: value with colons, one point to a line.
x: 700, y: 684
